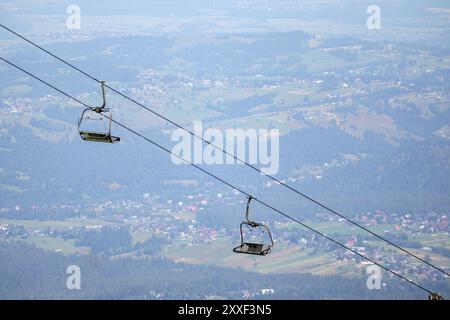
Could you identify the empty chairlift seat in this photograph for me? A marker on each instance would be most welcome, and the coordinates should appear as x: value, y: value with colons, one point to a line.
x: 255, y: 248
x: 95, y: 123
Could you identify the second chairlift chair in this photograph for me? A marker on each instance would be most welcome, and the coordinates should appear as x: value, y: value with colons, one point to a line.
x: 261, y: 249
x: 99, y: 114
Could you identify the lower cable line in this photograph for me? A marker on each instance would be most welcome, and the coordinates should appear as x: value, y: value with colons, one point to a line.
x: 386, y: 268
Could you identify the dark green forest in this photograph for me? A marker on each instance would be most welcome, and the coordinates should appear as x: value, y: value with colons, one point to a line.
x: 31, y: 273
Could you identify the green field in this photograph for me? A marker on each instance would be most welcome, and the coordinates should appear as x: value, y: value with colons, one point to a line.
x: 282, y: 259
x: 341, y: 228
x: 56, y: 244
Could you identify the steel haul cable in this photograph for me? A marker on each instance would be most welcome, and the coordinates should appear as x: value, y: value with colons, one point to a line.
x: 225, y: 182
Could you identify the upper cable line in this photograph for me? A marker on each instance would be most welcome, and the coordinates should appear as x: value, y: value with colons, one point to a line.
x: 432, y: 295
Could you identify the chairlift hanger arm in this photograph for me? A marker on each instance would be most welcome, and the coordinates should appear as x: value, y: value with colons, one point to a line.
x: 103, y: 106
x: 247, y: 214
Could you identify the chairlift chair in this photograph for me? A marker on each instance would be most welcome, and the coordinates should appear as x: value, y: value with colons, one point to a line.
x: 261, y: 249
x: 100, y: 114
x: 435, y: 296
